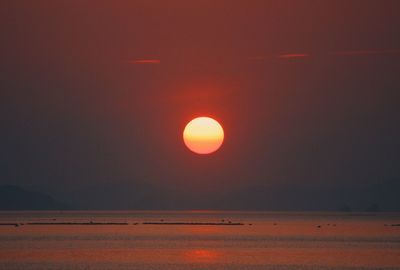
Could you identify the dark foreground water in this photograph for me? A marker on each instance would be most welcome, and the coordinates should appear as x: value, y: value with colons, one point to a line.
x: 282, y: 241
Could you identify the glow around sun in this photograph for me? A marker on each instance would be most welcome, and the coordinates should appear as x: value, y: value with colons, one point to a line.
x: 203, y: 135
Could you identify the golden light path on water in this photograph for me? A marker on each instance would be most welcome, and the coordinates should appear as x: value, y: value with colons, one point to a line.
x: 278, y: 241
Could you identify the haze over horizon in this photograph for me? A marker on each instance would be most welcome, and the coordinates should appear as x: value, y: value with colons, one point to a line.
x: 94, y: 99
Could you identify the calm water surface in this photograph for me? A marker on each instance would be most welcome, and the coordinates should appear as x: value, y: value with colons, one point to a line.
x: 274, y: 240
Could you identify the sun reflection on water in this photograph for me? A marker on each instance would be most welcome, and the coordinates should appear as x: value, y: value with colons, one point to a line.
x: 201, y: 255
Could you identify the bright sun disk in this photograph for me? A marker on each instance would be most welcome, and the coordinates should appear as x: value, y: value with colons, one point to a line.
x: 203, y: 135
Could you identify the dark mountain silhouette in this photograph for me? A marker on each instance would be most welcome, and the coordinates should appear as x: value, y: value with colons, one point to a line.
x: 370, y: 198
x: 373, y: 208
x: 17, y: 198
x: 142, y: 196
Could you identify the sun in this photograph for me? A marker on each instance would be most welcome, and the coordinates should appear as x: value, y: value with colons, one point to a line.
x: 203, y: 135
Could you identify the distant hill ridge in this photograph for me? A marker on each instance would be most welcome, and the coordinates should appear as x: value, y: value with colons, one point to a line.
x: 16, y: 198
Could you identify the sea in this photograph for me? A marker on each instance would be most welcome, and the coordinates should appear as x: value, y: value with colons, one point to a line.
x: 198, y: 240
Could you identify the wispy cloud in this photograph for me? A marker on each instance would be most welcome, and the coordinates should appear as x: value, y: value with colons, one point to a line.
x: 286, y: 56
x: 365, y: 52
x: 145, y: 61
x: 292, y: 55
x: 279, y: 56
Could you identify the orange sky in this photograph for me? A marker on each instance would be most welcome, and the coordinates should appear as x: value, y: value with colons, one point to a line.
x: 96, y: 95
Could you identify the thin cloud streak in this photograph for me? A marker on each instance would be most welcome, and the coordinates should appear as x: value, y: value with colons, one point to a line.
x: 292, y: 55
x: 365, y: 52
x: 286, y: 56
x: 145, y: 61
x: 280, y: 56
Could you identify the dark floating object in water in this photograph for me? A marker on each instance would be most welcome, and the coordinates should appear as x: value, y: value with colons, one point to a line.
x: 194, y: 223
x: 125, y: 223
x: 395, y: 225
x: 9, y: 224
x: 77, y: 223
x: 319, y: 226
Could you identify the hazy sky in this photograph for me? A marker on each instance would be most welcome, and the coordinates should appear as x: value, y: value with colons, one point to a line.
x: 307, y: 92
